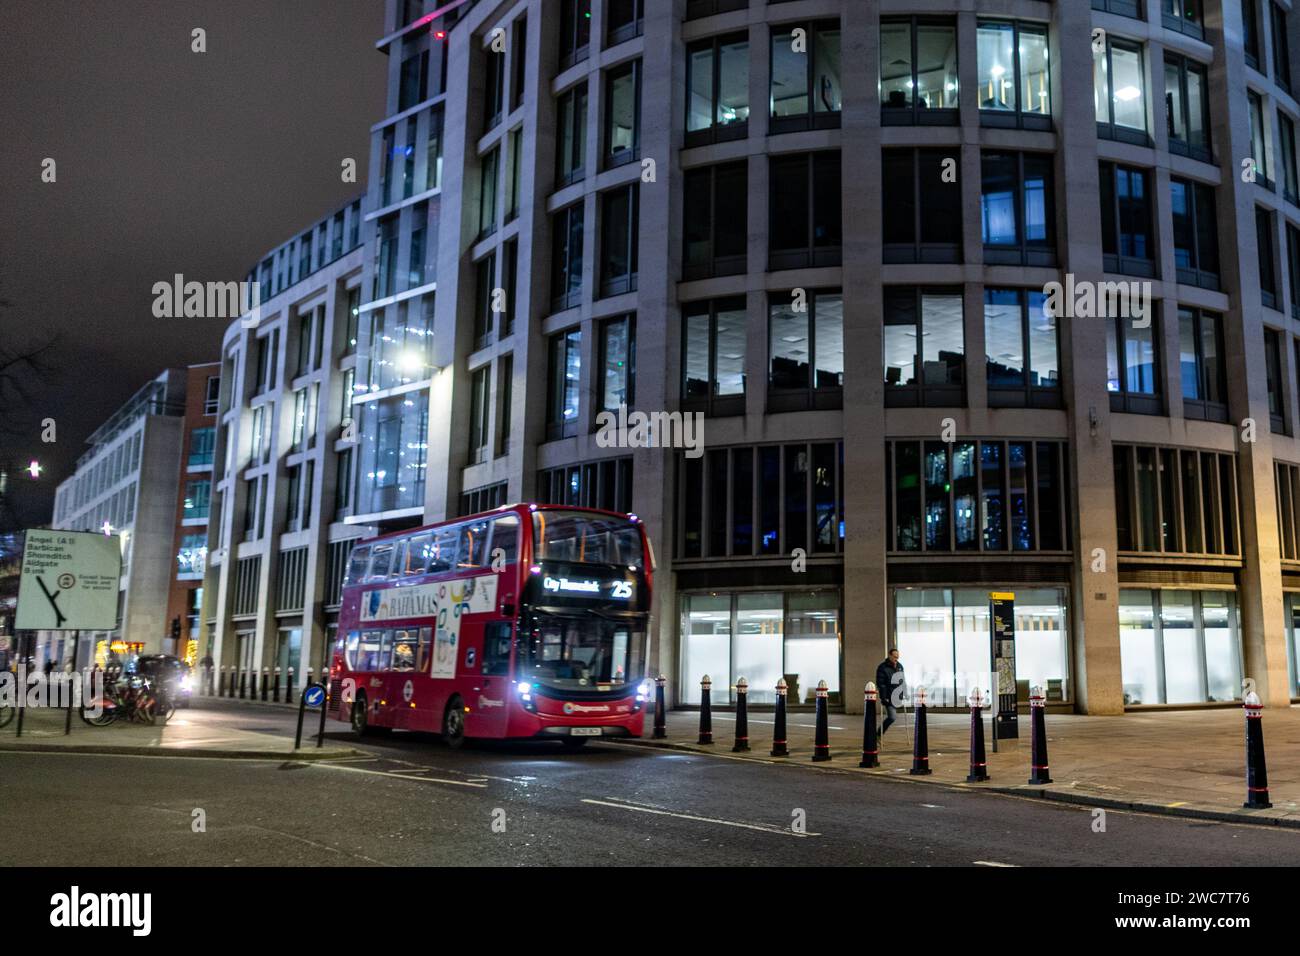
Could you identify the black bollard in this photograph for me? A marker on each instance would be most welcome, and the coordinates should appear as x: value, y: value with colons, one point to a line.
x: 221, y: 688
x: 778, y: 729
x: 288, y: 691
x: 243, y: 683
x: 661, y: 722
x: 1038, y: 769
x: 822, y: 736
x: 742, y: 716
x: 275, y: 687
x: 706, y: 711
x: 921, y: 739
x: 1256, y: 771
x: 266, y: 680
x: 978, y: 760
x: 311, y: 681
x: 870, y: 745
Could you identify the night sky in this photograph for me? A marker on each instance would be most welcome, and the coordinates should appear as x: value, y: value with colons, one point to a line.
x: 168, y: 161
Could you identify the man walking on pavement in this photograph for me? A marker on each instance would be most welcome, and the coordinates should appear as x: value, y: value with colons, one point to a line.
x: 889, y: 681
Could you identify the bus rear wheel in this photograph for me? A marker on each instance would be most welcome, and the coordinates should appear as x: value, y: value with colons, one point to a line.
x: 360, y: 717
x: 453, y: 724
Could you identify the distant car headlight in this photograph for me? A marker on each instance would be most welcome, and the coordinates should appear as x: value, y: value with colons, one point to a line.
x: 187, y: 683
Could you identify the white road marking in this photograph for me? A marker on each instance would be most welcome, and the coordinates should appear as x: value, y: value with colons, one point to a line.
x: 932, y: 806
x: 994, y: 863
x: 761, y: 827
x: 399, y: 776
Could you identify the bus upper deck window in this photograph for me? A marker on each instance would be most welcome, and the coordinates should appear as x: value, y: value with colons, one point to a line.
x: 505, y: 536
x: 444, y: 550
x: 417, y: 558
x: 473, y: 544
x: 357, y: 565
x: 380, y: 562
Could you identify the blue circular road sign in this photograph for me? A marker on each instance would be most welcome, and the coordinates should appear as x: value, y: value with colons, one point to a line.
x: 314, y: 695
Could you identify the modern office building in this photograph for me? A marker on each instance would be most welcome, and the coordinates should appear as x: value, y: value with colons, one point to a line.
x: 126, y: 485
x: 193, y: 503
x: 832, y: 226
x: 284, y: 455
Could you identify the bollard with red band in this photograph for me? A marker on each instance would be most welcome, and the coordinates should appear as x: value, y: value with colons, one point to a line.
x: 821, y: 736
x: 778, y: 724
x: 1038, y: 768
x: 978, y: 761
x: 921, y: 741
x: 706, y: 711
x: 870, y: 745
x: 661, y: 722
x: 1256, y: 770
x: 742, y: 716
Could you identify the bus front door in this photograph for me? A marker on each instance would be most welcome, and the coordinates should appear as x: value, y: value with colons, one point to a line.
x: 489, y: 678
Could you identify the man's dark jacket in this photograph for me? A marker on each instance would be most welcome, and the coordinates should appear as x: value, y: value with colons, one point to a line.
x: 889, y: 680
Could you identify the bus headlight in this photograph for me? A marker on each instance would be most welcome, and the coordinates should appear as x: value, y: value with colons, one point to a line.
x: 643, y: 691
x: 525, y: 692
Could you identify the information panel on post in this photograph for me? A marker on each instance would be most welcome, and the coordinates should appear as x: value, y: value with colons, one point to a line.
x: 69, y: 581
x: 1002, y: 624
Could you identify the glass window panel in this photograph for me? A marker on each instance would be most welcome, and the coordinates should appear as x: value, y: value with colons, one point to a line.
x: 896, y: 64
x: 796, y: 497
x: 995, y: 43
x: 1004, y: 338
x: 1189, y: 366
x: 1140, y: 358
x: 733, y: 82
x: 998, y: 200
x: 1183, y: 658
x: 828, y: 335
x: 1175, y: 104
x: 937, y: 491
x: 942, y: 339
x: 826, y: 67
x: 1139, y: 655
x: 1035, y: 78
x: 812, y: 647
x: 789, y: 347
x: 706, y: 644
x: 964, y: 503
x: 742, y: 498
x: 972, y: 643
x: 1127, y: 87
x: 769, y: 483
x: 757, y: 650
x: 936, y: 66
x: 923, y: 631
x: 695, y: 363
x: 1020, y: 511
x: 992, y: 513
x: 907, y: 496
x: 1222, y: 646
x: 730, y: 348
x: 789, y: 76
x: 699, y: 111
x: 1044, y: 353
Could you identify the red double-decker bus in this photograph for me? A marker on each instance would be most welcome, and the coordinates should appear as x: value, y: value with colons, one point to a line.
x: 530, y: 621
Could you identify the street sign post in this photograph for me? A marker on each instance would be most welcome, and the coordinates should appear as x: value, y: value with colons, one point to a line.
x: 1002, y: 625
x: 69, y: 581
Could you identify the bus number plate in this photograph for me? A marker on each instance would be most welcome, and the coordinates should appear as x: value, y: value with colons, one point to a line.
x: 584, y: 731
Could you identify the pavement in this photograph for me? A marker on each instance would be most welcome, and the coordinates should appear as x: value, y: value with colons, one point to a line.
x: 1183, y: 763
x: 189, y: 731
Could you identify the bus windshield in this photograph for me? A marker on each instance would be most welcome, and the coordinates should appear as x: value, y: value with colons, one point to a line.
x: 582, y: 650
x: 586, y: 538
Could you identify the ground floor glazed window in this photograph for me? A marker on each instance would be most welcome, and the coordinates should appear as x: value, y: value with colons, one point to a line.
x: 761, y: 636
x: 943, y: 639
x: 1179, y: 647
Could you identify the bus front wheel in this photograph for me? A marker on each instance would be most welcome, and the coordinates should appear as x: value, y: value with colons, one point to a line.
x: 453, y: 724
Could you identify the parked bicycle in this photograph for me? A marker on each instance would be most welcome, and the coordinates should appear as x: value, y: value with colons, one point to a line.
x: 133, y: 699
